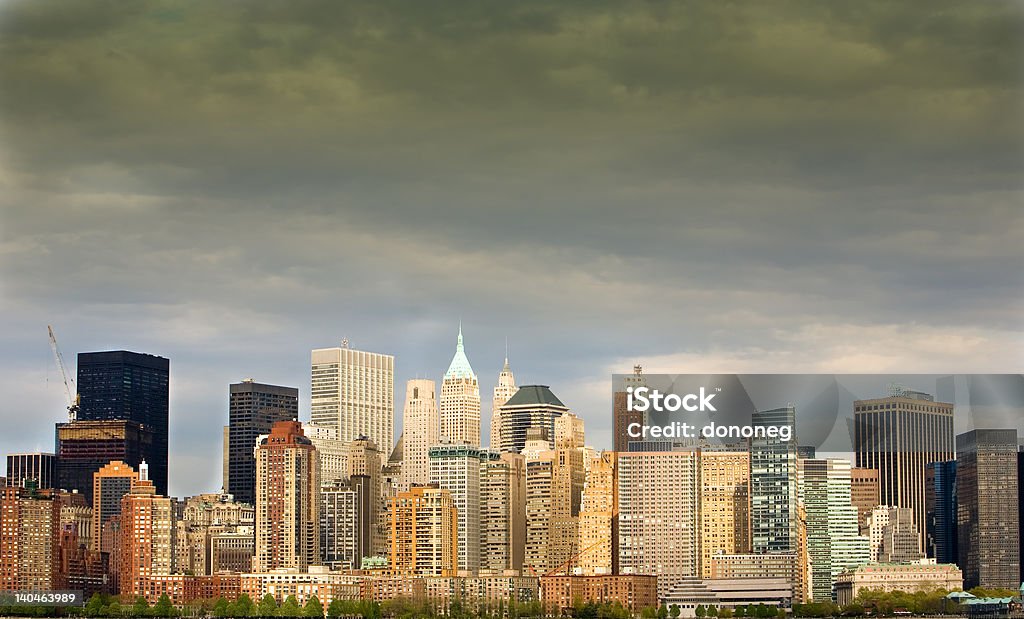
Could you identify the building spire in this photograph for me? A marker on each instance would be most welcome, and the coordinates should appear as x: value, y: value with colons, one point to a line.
x: 460, y: 367
x: 458, y: 345
x: 506, y: 369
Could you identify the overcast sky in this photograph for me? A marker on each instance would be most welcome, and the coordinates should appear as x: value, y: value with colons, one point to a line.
x: 708, y: 187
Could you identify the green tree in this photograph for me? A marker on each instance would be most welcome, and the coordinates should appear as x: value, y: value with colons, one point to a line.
x: 267, y: 606
x: 244, y: 606
x: 113, y: 609
x: 164, y: 608
x: 741, y: 611
x: 725, y: 613
x: 220, y: 608
x: 335, y: 608
x: 700, y: 611
x: 313, y: 608
x: 290, y: 608
x: 712, y: 611
x: 94, y: 605
x: 662, y: 612
x: 648, y: 613
x: 140, y: 608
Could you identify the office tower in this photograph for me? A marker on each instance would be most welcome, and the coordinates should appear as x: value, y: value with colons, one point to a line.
x: 38, y: 468
x: 503, y: 512
x: 833, y: 543
x: 365, y: 459
x: 354, y: 392
x: 423, y: 532
x: 940, y: 507
x: 894, y: 535
x: 128, y: 386
x: 658, y: 515
x: 622, y: 417
x: 421, y: 428
x: 457, y: 468
x: 287, y: 502
x: 898, y: 436
x: 531, y: 406
x: 569, y: 431
x: 864, y: 493
x: 84, y: 447
x: 1020, y: 504
x: 331, y: 451
x: 554, y: 488
x: 598, y: 510
x: 987, y: 510
x: 724, y: 505
x: 110, y: 484
x: 773, y: 492
x: 460, y: 401
x: 503, y: 392
x: 345, y: 522
x: 145, y: 535
x: 29, y: 539
x: 253, y: 408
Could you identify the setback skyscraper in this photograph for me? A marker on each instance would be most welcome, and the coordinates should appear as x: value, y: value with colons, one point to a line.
x: 503, y: 392
x: 354, y: 392
x: 131, y: 386
x: 421, y: 427
x: 533, y: 406
x: 460, y: 400
x: 899, y: 436
x: 253, y: 409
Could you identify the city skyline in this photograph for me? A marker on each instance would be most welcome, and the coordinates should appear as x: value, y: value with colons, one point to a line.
x: 692, y: 187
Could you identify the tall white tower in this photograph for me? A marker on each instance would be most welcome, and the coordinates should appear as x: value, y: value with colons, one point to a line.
x: 354, y: 392
x: 503, y: 391
x: 421, y: 427
x: 460, y: 401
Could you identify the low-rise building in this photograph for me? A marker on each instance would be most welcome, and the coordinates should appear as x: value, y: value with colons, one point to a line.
x: 690, y: 593
x: 886, y: 577
x: 634, y: 592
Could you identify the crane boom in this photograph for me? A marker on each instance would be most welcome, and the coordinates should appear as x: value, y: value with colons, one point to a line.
x: 69, y: 391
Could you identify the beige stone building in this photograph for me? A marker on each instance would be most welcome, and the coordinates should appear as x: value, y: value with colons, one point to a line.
x: 724, y: 505
x: 597, y: 516
x: 424, y: 532
x: 460, y: 401
x: 890, y: 577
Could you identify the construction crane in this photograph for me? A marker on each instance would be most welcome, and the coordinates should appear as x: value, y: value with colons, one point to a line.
x: 69, y: 384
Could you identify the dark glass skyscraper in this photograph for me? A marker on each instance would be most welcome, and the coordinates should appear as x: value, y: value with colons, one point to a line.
x: 773, y: 492
x: 940, y: 510
x: 253, y: 408
x: 122, y: 385
x: 987, y: 512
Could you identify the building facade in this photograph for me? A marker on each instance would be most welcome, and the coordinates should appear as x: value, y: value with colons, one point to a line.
x: 503, y: 512
x: 503, y: 392
x: 940, y: 512
x: 253, y: 408
x: 458, y: 469
x: 421, y: 429
x: 773, y: 490
x: 424, y: 532
x: 532, y: 406
x: 145, y: 536
x: 724, y: 505
x: 36, y: 469
x: 460, y: 400
x: 84, y: 447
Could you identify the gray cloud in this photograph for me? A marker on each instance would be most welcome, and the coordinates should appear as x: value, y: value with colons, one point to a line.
x: 801, y: 185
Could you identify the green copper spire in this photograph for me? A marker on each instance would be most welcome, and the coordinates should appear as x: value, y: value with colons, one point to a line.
x: 460, y: 367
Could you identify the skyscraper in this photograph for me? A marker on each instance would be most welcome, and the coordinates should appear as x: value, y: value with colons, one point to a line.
x: 724, y: 505
x: 899, y: 436
x: 29, y: 539
x: 421, y: 426
x: 773, y: 491
x: 253, y: 408
x: 833, y: 542
x: 84, y: 447
x: 123, y: 385
x: 503, y: 512
x: 145, y: 536
x: 987, y: 510
x: 598, y: 511
x: 864, y: 492
x: 287, y: 500
x: 110, y: 484
x: 365, y: 459
x: 531, y: 406
x: 39, y: 469
x: 503, y: 392
x: 458, y: 468
x: 423, y: 532
x: 460, y: 400
x: 354, y: 391
x: 659, y: 515
x: 940, y: 507
x: 345, y: 522
x: 622, y: 417
x: 894, y: 535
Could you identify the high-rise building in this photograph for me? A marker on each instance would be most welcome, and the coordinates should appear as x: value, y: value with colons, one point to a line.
x: 503, y: 512
x: 354, y: 391
x: 833, y: 542
x: 503, y: 392
x: 532, y: 406
x: 460, y: 400
x: 724, y: 505
x: 253, y: 408
x: 987, y: 511
x: 365, y: 459
x: 110, y: 484
x: 659, y: 515
x: 129, y: 386
x: 773, y: 491
x: 331, y: 450
x: 421, y: 428
x: 287, y: 500
x: 899, y: 436
x: 940, y: 510
x: 84, y: 447
x: 554, y: 489
x: 598, y: 511
x: 864, y: 493
x: 894, y: 535
x: 213, y: 532
x: 145, y: 536
x: 622, y: 417
x: 39, y: 469
x: 345, y: 522
x: 424, y: 532
x: 458, y: 468
x: 30, y: 540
